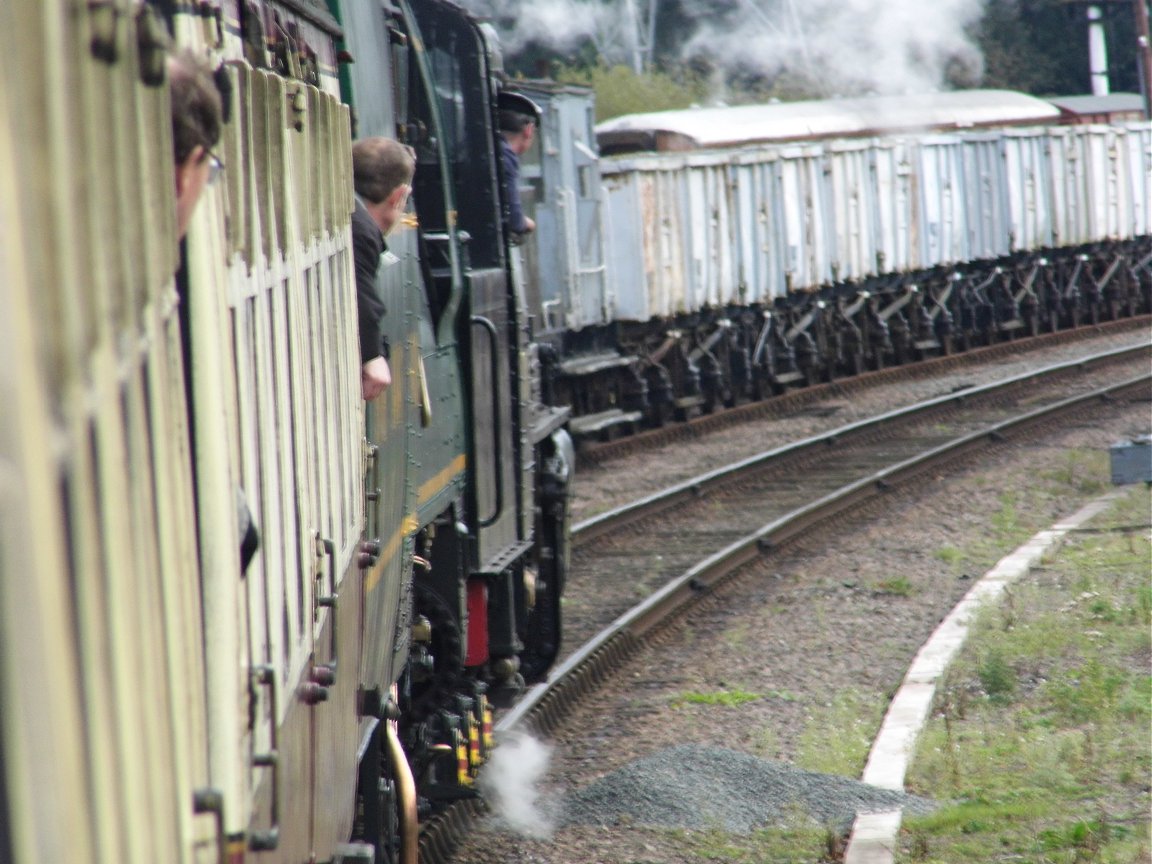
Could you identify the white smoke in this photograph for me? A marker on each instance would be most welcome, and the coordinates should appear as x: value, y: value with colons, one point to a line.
x: 557, y: 24
x: 510, y: 784
x: 843, y: 46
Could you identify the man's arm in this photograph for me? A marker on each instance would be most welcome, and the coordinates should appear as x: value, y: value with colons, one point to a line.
x: 367, y: 245
x: 518, y: 223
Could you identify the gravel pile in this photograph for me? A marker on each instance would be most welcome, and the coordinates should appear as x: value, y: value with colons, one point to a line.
x: 694, y: 786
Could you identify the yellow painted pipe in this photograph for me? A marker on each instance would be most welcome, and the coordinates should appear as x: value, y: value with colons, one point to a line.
x: 406, y: 789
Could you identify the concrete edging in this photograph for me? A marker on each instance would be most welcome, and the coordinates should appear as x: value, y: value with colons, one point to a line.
x: 873, y: 836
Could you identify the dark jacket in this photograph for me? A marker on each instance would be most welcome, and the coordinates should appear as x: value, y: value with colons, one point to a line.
x: 515, y: 213
x: 367, y: 247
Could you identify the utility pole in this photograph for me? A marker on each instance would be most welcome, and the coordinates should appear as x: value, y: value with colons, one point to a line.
x: 1144, y: 50
x: 1097, y: 52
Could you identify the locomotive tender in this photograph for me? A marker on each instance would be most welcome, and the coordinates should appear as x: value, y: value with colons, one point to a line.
x: 158, y: 704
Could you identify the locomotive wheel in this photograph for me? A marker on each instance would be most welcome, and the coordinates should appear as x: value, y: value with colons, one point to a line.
x: 447, y: 652
x: 542, y: 639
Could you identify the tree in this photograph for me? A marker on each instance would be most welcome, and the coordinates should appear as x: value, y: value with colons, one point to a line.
x: 621, y: 90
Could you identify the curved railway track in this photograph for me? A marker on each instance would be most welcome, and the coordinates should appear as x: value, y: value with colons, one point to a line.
x: 670, y: 549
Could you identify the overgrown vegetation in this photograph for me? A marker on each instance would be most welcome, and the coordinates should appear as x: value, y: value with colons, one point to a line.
x: 1041, y: 733
x: 620, y: 90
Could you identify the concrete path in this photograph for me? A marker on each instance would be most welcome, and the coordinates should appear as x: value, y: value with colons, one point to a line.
x: 873, y: 837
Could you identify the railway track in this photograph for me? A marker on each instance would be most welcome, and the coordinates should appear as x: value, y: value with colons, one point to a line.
x: 593, y: 452
x: 677, y: 546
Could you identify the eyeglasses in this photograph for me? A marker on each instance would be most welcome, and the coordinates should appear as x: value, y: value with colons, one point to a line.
x: 215, y: 167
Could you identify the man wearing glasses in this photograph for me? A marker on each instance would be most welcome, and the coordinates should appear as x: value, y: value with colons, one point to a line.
x: 197, y: 116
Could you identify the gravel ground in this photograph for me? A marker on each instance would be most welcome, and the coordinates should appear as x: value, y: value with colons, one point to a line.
x: 817, y: 643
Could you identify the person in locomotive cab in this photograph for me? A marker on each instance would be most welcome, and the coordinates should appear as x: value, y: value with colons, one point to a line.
x: 382, y: 175
x: 197, y: 119
x: 517, y: 132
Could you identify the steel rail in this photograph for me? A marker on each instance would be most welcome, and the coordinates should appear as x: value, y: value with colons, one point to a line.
x: 702, y: 485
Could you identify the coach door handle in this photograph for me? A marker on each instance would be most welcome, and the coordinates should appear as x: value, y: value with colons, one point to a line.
x: 212, y: 801
x: 264, y: 841
x: 324, y: 674
x: 494, y: 338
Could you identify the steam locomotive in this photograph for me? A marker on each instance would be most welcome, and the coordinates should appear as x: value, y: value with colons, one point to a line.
x: 160, y: 703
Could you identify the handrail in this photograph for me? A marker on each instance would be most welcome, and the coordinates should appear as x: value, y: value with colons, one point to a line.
x: 497, y: 436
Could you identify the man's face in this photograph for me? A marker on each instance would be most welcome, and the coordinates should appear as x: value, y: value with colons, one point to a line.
x: 192, y: 176
x: 527, y: 137
x: 394, y: 206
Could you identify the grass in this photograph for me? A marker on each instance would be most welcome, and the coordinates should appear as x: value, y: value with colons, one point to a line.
x: 1040, y: 744
x: 800, y: 843
x: 837, y: 737
x: 723, y: 698
x: 1040, y: 737
x: 950, y: 555
x: 898, y: 586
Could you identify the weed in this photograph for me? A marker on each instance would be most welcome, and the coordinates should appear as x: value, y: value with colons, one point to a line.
x: 724, y: 698
x: 897, y: 586
x: 766, y: 743
x: 1087, y: 692
x: 997, y: 677
x: 736, y: 637
x: 1082, y: 471
x: 949, y: 555
x: 1006, y: 519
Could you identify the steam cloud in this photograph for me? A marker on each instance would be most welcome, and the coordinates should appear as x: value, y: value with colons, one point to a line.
x: 509, y: 783
x: 845, y: 46
x: 558, y: 24
x: 882, y: 46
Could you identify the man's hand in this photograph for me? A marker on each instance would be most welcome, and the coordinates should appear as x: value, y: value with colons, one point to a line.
x: 529, y: 225
x: 375, y: 377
